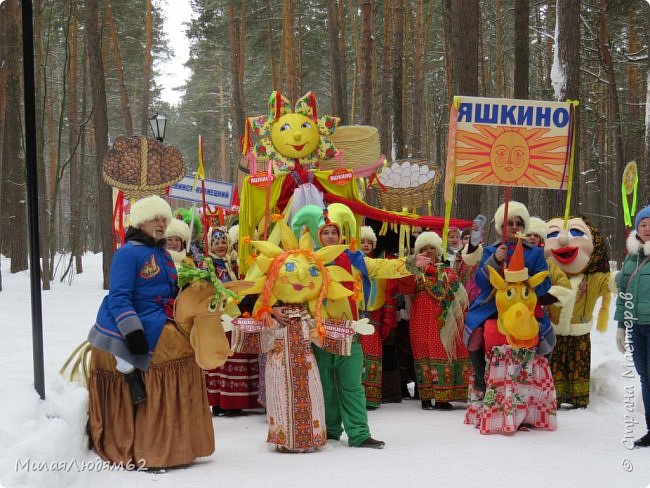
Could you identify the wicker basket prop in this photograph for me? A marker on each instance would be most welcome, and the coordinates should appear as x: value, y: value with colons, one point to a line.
x: 359, y: 145
x: 408, y: 184
x: 141, y: 166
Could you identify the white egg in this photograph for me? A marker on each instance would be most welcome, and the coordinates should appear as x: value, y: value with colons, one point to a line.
x: 424, y: 170
x: 414, y: 179
x: 404, y: 183
x: 395, y: 167
x: 422, y: 179
x: 406, y: 171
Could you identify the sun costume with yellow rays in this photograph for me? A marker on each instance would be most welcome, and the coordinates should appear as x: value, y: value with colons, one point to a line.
x: 296, y: 278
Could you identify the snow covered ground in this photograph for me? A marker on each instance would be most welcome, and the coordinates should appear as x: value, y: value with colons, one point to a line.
x: 43, y: 443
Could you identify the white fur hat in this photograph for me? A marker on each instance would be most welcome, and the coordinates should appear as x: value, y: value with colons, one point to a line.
x: 428, y: 239
x: 178, y: 228
x: 515, y: 209
x: 149, y: 208
x: 368, y: 233
x: 233, y: 233
x: 537, y: 226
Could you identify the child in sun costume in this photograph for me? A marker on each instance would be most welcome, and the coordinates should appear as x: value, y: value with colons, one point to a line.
x: 581, y: 252
x: 519, y: 383
x: 297, y: 279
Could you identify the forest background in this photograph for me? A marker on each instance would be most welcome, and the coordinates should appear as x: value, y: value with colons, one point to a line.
x: 393, y: 64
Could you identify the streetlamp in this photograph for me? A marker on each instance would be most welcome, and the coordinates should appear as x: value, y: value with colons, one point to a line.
x: 158, y: 123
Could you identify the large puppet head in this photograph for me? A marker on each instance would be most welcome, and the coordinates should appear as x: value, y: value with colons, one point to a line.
x: 516, y: 300
x: 297, y: 274
x: 286, y: 136
x: 579, y: 248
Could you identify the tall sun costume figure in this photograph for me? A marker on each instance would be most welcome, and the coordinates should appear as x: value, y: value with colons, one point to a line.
x: 345, y: 400
x: 581, y: 252
x: 297, y: 279
x: 519, y: 383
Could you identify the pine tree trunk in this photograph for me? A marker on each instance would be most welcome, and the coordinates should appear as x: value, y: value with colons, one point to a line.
x: 100, y: 124
x: 125, y: 108
x: 419, y: 69
x: 398, y: 72
x: 336, y: 63
x: 13, y: 211
x: 236, y: 73
x: 386, y: 83
x: 367, y: 48
x: 464, y: 18
x: 146, y: 75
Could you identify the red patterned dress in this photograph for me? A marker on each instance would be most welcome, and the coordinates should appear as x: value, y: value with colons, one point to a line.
x: 442, y: 366
x: 233, y: 386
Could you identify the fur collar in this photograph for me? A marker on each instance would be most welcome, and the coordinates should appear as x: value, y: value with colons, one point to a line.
x: 635, y: 246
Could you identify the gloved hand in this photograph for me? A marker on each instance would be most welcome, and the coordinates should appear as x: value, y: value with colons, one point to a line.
x: 226, y: 323
x: 137, y: 342
x: 620, y: 339
x: 363, y: 326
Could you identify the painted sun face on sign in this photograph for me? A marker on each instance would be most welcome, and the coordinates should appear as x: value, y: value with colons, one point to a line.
x: 518, y: 156
x: 570, y: 248
x: 299, y: 280
x: 509, y: 156
x: 294, y: 135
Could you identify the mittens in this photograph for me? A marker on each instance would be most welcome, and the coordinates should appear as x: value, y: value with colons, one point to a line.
x: 137, y: 342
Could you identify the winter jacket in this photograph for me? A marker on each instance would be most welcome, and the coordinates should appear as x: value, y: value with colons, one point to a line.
x: 142, y: 282
x: 634, y: 283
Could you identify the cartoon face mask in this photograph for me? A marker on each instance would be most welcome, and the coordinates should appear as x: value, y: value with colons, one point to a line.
x: 294, y: 135
x: 299, y: 279
x: 569, y: 248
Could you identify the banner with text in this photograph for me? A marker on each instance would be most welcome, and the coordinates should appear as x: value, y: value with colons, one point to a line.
x: 219, y: 193
x: 521, y: 143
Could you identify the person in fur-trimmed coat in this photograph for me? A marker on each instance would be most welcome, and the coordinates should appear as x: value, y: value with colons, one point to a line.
x: 633, y: 309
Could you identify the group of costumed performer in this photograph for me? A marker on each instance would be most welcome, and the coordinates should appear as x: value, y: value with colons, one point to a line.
x: 441, y: 360
x: 507, y: 327
x: 148, y: 407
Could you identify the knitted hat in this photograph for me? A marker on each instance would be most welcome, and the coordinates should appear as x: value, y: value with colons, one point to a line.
x: 538, y: 226
x: 178, y: 228
x: 428, y: 239
x: 219, y: 232
x: 515, y: 209
x: 149, y: 208
x: 644, y: 213
x: 368, y: 234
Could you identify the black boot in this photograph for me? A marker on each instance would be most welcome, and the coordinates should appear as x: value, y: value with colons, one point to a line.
x: 477, y: 358
x: 136, y: 386
x: 426, y: 405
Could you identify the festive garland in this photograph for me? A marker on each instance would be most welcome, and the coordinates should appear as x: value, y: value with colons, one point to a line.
x: 188, y: 274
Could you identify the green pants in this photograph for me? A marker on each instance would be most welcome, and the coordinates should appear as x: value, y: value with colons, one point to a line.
x: 345, y: 397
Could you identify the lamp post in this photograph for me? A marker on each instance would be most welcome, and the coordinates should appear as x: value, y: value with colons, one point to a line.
x: 158, y: 123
